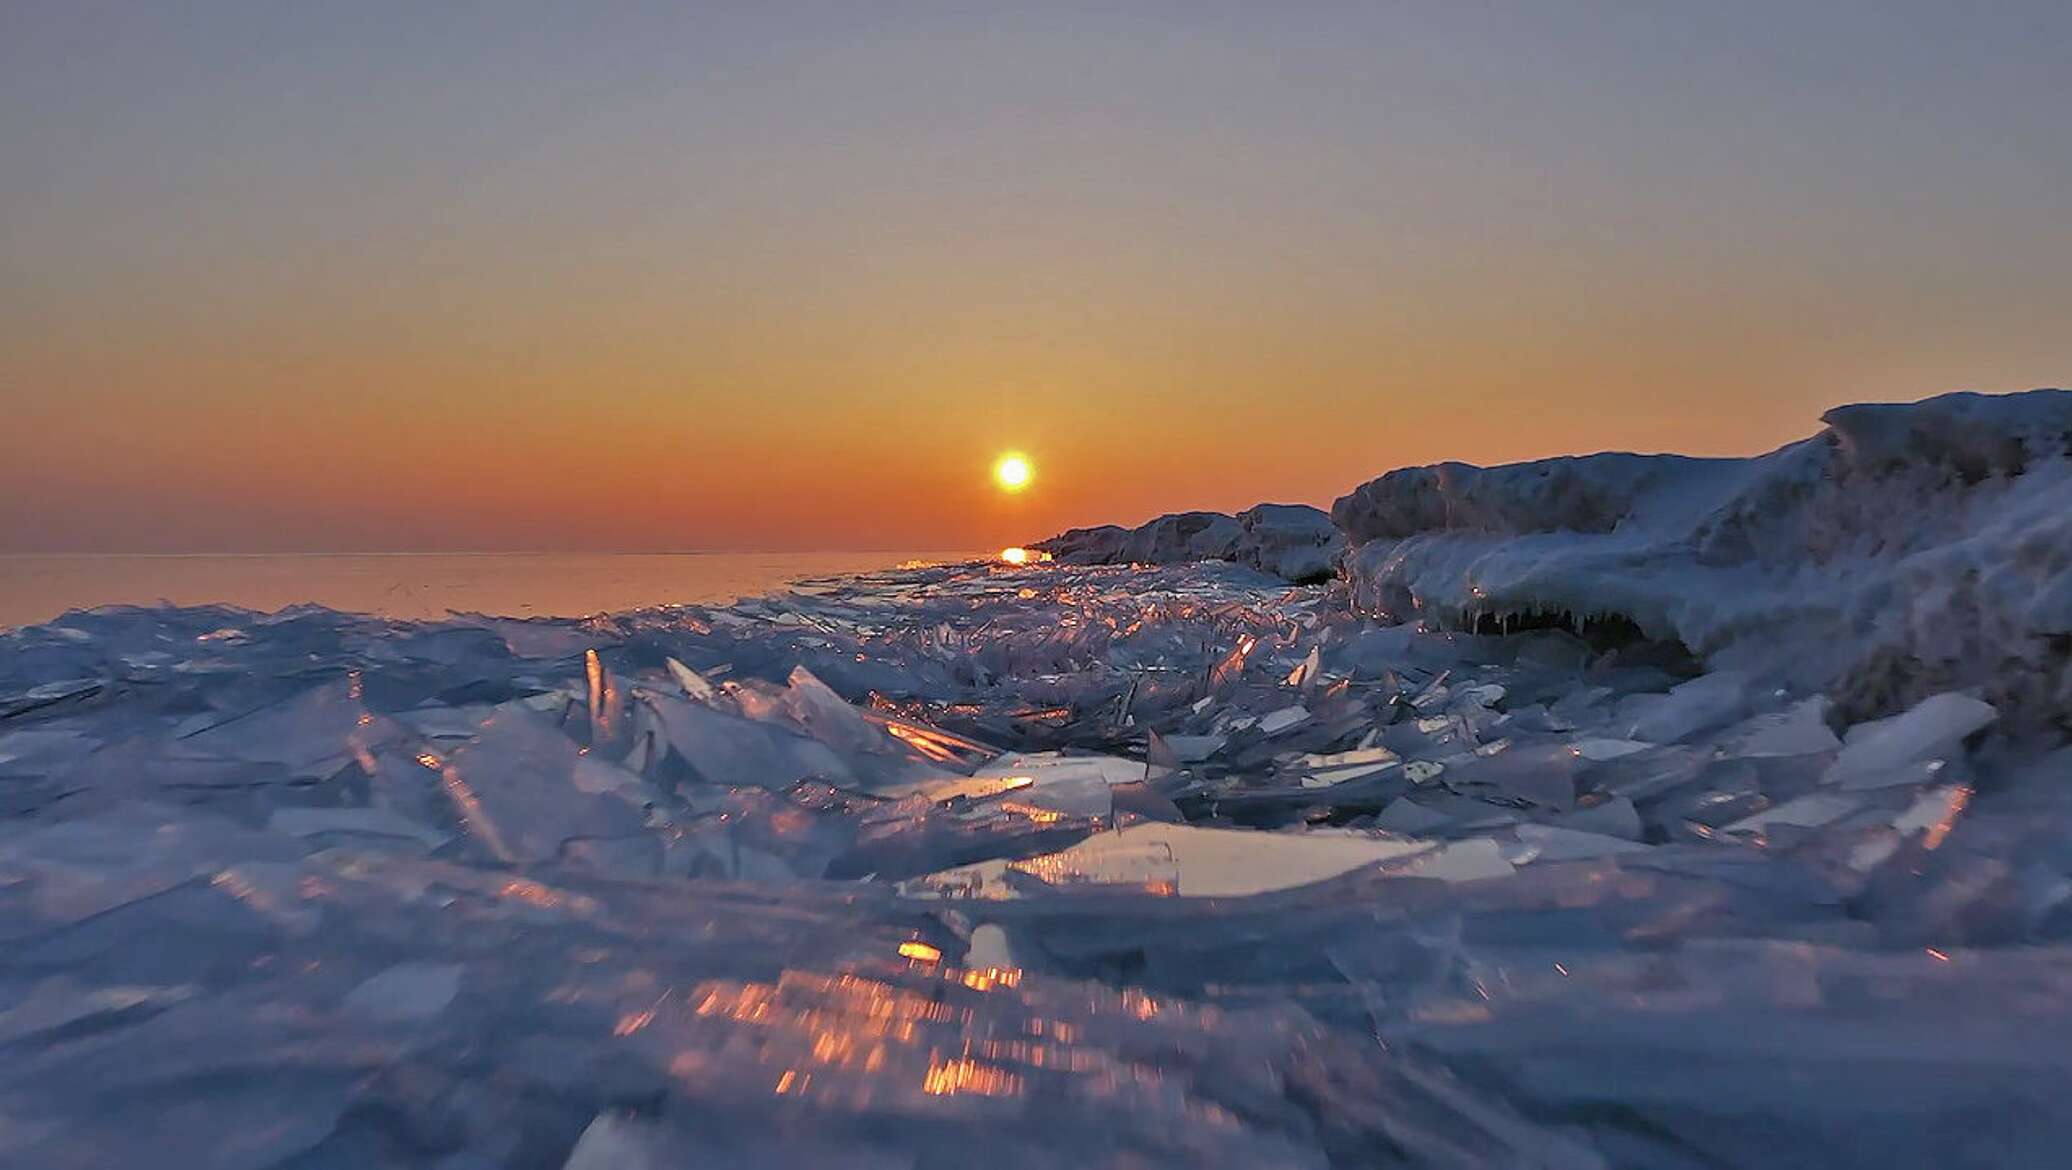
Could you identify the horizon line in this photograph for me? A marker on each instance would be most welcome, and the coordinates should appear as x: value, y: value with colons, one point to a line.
x: 509, y: 552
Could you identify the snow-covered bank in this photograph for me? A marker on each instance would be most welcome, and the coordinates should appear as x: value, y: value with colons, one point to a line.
x: 1907, y: 549
x: 1294, y: 542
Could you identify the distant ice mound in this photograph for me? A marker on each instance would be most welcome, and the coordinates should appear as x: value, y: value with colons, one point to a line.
x: 1292, y: 541
x: 1907, y: 549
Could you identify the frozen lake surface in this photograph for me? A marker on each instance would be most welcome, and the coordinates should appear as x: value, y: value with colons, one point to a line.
x: 1061, y: 866
x: 39, y: 587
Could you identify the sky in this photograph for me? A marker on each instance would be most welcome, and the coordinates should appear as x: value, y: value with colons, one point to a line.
x: 294, y: 276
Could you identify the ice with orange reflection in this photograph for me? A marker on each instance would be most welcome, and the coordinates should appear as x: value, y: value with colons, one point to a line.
x: 947, y: 1078
x: 919, y: 952
x: 1176, y: 860
x: 892, y: 869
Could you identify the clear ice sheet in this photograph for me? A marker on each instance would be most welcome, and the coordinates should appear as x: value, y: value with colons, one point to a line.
x: 1074, y: 866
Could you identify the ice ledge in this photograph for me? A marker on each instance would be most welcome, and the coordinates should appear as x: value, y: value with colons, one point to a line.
x: 1904, y: 550
x: 1292, y: 541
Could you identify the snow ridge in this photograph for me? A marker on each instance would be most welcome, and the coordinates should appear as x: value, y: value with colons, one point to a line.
x: 1904, y: 550
x: 1292, y: 541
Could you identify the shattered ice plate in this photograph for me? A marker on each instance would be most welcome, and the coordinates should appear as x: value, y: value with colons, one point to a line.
x: 1174, y: 861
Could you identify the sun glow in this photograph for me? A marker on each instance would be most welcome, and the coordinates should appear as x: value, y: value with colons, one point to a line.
x: 1013, y: 472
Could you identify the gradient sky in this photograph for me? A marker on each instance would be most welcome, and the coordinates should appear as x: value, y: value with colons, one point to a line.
x: 298, y: 276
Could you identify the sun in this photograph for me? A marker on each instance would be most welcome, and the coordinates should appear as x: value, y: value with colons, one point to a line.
x: 1013, y: 472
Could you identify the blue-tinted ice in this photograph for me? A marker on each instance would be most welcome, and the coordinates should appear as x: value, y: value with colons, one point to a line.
x: 1079, y: 867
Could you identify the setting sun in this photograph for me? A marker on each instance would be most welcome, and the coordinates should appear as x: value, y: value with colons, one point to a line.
x: 1013, y: 472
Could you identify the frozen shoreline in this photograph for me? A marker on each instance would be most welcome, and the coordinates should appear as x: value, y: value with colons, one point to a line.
x: 1904, y: 550
x: 1070, y: 861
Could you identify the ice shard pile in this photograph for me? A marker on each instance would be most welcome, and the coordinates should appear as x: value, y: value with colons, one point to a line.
x: 1074, y: 866
x: 1294, y: 542
x: 1907, y: 549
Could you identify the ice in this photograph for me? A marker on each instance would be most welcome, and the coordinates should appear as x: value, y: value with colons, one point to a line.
x: 21, y: 751
x: 406, y: 992
x: 59, y: 874
x: 1614, y: 815
x: 245, y: 1124
x: 50, y: 694
x: 1807, y: 812
x: 1472, y: 860
x: 1799, y: 730
x: 1080, y: 785
x: 727, y: 749
x: 1904, y: 550
x: 1332, y: 768
x: 1045, y: 768
x: 1880, y: 753
x: 1073, y: 792
x: 352, y: 822
x: 1691, y: 707
x: 521, y: 788
x: 1555, y: 843
x: 1544, y: 774
x: 1283, y: 719
x: 1893, y: 1063
x: 1294, y: 542
x: 56, y: 1004
x: 1177, y: 861
x: 611, y: 1142
x: 990, y: 947
x: 1410, y: 818
x: 1176, y: 864
x: 1597, y: 748
x: 1423, y: 771
x: 691, y: 681
x: 314, y: 734
x: 829, y: 718
x: 1193, y: 749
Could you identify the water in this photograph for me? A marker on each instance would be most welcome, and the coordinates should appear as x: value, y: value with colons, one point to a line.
x: 36, y: 588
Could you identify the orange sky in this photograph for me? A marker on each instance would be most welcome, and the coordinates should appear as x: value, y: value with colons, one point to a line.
x: 682, y: 281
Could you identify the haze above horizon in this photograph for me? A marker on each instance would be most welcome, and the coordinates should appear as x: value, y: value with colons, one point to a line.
x: 637, y: 277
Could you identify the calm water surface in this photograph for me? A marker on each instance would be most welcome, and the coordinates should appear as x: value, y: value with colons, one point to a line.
x: 418, y: 585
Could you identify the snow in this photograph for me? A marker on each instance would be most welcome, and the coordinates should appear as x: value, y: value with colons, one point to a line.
x: 1907, y: 548
x: 1293, y: 542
